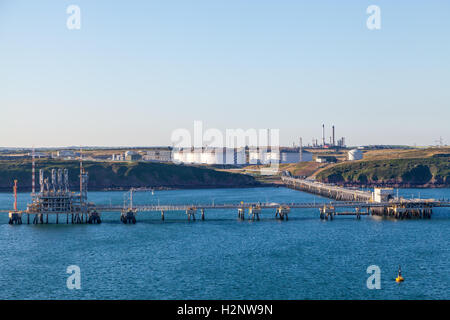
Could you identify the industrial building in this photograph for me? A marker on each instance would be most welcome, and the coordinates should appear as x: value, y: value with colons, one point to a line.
x: 67, y: 154
x: 326, y: 159
x: 38, y: 154
x: 158, y: 155
x: 132, y: 156
x: 118, y: 157
x: 333, y: 143
x: 382, y: 194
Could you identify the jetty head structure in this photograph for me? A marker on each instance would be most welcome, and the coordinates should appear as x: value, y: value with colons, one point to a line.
x: 56, y: 198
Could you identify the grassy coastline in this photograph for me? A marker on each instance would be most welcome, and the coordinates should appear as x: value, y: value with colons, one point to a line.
x: 415, y: 172
x: 124, y: 175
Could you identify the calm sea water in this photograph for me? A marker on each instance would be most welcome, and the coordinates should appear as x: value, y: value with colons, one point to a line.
x: 223, y: 258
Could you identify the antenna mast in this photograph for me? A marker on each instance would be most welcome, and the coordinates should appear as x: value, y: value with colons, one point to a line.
x: 15, y: 195
x: 81, y: 175
x: 33, y: 173
x: 301, y: 149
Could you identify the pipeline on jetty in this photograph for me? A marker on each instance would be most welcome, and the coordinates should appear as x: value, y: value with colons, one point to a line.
x: 56, y: 200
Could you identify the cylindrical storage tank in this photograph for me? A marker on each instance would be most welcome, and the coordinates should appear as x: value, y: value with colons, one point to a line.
x: 240, y: 157
x: 355, y: 154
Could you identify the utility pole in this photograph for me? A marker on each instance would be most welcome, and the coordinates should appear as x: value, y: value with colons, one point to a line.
x: 334, y: 141
x: 33, y: 174
x: 15, y: 195
x: 301, y: 149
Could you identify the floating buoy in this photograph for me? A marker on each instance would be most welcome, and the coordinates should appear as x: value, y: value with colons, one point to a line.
x: 399, y: 276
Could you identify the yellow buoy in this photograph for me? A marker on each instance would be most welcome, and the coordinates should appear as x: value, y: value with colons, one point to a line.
x: 399, y: 277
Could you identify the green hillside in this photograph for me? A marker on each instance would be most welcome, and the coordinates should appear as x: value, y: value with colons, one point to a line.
x: 105, y: 175
x: 406, y: 172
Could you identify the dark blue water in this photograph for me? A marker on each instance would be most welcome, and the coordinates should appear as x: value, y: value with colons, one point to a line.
x: 223, y: 258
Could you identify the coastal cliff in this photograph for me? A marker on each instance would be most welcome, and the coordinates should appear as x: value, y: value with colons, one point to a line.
x: 124, y: 175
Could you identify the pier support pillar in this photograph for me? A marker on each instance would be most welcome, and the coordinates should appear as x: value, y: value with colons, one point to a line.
x: 241, y: 213
x: 94, y: 217
x: 203, y: 214
x: 15, y: 218
x: 190, y: 212
x: 128, y: 216
x: 254, y: 212
x: 162, y: 215
x: 282, y: 212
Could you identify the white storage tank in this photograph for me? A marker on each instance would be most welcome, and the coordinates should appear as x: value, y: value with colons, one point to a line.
x: 355, y: 154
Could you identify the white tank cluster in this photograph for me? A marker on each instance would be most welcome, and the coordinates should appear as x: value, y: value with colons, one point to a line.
x: 239, y: 156
x: 279, y: 156
x: 209, y: 156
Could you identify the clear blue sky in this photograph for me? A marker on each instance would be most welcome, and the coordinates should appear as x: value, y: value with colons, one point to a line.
x: 137, y: 70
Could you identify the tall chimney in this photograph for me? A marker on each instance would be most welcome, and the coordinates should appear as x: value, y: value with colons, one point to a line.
x: 323, y: 135
x: 334, y: 141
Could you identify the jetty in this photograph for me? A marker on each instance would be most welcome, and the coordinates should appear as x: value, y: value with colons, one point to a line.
x: 327, y: 190
x: 57, y: 201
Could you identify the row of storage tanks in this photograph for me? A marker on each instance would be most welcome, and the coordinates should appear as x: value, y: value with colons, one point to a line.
x: 238, y: 156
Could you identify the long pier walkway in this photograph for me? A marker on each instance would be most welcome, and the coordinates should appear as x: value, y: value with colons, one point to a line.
x: 67, y: 207
x: 401, y: 209
x: 327, y: 190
